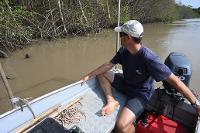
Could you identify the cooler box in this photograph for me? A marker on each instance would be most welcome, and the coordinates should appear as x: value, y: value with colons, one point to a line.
x: 153, y: 123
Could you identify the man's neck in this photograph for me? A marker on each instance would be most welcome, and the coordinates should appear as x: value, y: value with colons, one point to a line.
x: 133, y: 49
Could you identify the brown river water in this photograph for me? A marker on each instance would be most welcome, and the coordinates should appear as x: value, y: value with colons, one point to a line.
x: 54, y: 64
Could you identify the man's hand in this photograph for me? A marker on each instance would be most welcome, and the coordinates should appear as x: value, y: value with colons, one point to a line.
x: 84, y: 79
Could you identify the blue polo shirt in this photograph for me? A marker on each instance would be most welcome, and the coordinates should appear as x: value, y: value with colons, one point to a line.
x: 140, y: 70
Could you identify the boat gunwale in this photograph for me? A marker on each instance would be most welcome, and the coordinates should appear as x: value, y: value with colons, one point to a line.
x: 41, y: 97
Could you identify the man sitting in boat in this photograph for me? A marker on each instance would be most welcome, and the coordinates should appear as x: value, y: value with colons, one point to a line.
x: 140, y: 67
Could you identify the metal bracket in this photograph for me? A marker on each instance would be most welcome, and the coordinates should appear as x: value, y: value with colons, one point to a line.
x: 19, y: 102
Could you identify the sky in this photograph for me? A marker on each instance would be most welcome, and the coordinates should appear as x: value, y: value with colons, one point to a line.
x: 193, y: 3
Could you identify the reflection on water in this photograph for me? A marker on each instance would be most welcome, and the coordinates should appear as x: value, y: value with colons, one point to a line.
x: 58, y: 63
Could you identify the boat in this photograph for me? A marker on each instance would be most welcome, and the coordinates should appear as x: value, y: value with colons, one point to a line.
x: 89, y: 99
x: 89, y: 95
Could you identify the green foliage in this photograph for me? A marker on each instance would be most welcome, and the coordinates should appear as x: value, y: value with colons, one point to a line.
x: 186, y: 12
x: 153, y: 10
x: 13, y: 30
x: 23, y: 20
x: 197, y: 11
x: 124, y: 13
x: 167, y: 11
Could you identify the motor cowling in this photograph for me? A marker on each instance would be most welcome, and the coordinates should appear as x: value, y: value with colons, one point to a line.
x: 180, y: 66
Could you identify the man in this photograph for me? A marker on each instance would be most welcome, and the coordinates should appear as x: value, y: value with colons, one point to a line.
x: 140, y: 67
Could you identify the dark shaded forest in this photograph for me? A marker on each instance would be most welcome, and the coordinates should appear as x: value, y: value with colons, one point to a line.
x: 22, y: 21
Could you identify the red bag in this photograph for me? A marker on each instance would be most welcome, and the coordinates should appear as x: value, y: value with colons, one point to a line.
x: 154, y: 123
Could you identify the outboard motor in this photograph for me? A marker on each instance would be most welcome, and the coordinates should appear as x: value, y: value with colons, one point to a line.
x: 181, y: 67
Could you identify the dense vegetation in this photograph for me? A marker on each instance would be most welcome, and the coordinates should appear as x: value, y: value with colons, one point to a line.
x: 197, y: 11
x: 187, y: 12
x: 24, y: 20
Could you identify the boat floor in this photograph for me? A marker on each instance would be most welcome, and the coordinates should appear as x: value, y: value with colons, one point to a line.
x: 92, y: 102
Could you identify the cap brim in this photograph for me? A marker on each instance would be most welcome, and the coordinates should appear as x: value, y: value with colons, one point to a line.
x: 118, y: 29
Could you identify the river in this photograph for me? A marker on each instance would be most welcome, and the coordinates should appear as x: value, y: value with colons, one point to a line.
x: 53, y: 64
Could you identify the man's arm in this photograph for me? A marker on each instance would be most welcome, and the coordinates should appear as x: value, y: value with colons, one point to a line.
x: 183, y: 89
x: 100, y: 70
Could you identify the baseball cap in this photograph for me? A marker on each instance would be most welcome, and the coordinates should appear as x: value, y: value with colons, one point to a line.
x: 132, y: 27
